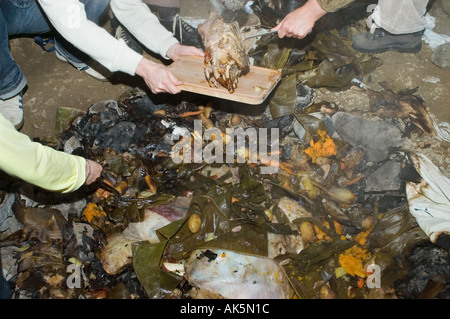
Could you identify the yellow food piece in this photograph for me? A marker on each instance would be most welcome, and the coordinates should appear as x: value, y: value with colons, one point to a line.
x: 361, y: 238
x: 352, y: 261
x: 324, y: 147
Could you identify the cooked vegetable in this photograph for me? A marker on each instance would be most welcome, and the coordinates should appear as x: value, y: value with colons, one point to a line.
x: 194, y: 223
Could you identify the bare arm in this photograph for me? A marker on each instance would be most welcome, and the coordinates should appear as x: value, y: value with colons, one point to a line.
x: 299, y: 22
x: 158, y: 77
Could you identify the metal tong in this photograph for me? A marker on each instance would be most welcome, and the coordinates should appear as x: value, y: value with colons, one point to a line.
x: 259, y: 34
x: 265, y: 33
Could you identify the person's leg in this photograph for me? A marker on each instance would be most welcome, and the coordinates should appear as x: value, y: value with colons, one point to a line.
x: 5, y: 289
x: 399, y: 27
x: 401, y: 16
x: 165, y: 10
x: 94, y: 10
x: 12, y: 80
x: 16, y: 17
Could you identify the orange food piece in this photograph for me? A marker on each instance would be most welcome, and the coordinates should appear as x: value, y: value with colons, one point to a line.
x: 361, y: 238
x: 101, y: 193
x: 91, y: 211
x: 324, y: 147
x: 352, y: 260
x: 360, y: 283
x: 337, y: 227
x: 149, y: 183
x: 193, y: 113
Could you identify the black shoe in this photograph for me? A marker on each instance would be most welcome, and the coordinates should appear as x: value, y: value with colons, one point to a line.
x: 185, y: 33
x: 122, y: 33
x: 382, y: 41
x: 165, y: 15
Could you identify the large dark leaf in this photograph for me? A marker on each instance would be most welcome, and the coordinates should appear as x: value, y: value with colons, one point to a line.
x: 147, y: 260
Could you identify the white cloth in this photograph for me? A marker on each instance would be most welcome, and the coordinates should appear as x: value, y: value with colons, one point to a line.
x: 400, y: 16
x: 69, y: 19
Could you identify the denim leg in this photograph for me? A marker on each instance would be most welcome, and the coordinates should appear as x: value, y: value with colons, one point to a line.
x: 12, y: 80
x: 19, y: 17
x: 94, y: 9
x: 16, y: 17
x: 5, y: 288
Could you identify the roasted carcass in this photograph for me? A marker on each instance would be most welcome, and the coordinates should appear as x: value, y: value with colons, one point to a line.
x: 225, y: 56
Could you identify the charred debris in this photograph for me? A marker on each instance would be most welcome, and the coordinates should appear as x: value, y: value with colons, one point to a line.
x: 332, y: 221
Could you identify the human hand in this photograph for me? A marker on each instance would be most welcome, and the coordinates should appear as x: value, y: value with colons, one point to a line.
x: 300, y: 22
x: 158, y: 77
x: 177, y: 50
x: 93, y: 171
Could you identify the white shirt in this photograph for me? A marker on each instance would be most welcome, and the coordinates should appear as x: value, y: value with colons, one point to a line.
x: 69, y: 19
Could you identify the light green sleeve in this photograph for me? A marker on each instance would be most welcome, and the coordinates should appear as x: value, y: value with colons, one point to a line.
x: 37, y: 164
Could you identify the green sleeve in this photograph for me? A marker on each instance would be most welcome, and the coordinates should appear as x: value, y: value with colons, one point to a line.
x: 333, y: 5
x: 37, y: 164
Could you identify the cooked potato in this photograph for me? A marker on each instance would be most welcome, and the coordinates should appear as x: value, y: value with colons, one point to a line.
x: 194, y: 223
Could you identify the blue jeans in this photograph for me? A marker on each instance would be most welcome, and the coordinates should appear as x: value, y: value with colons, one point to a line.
x: 25, y: 17
x: 5, y: 289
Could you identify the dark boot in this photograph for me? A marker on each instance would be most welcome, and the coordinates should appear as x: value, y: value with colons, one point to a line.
x: 171, y: 19
x: 166, y: 15
x: 382, y: 41
x: 186, y: 34
x: 119, y: 32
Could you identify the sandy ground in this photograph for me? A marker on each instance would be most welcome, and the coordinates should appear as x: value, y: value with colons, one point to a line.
x: 53, y: 84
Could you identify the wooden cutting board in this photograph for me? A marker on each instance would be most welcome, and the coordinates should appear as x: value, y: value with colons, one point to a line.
x: 253, y: 88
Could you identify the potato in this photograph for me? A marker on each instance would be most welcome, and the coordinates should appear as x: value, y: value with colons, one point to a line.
x: 235, y: 120
x: 194, y: 223
x: 326, y: 293
x: 307, y: 232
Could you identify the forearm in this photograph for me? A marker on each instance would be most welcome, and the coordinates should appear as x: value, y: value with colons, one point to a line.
x: 144, y: 25
x: 69, y: 19
x: 38, y: 164
x: 333, y: 5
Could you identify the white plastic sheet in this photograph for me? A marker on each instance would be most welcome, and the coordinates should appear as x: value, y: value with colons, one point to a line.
x: 432, y: 38
x: 429, y: 201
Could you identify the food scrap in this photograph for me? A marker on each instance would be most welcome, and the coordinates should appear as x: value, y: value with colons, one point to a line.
x: 324, y: 147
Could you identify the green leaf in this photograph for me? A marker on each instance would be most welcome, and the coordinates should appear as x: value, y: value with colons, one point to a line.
x: 284, y: 100
x: 147, y: 260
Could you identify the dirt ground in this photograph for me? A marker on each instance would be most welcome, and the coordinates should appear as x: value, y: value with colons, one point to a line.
x: 53, y: 84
